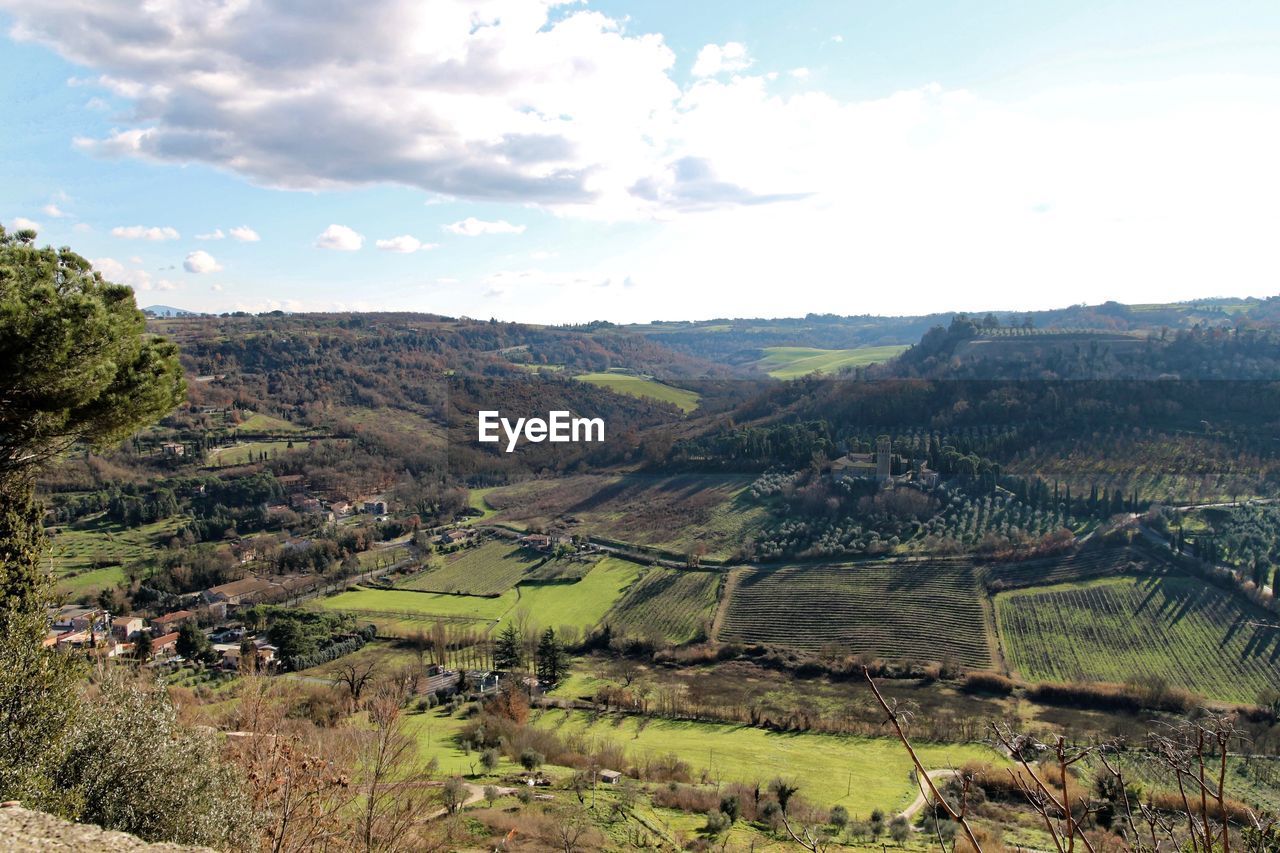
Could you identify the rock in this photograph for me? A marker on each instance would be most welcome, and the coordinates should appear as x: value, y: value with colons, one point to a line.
x: 26, y: 831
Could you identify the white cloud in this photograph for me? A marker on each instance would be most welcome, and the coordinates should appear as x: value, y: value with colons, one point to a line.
x: 405, y: 244
x: 165, y: 284
x: 244, y: 234
x: 53, y: 210
x: 201, y: 262
x: 216, y: 288
x: 339, y: 238
x: 720, y: 58
x: 837, y: 38
x: 82, y: 227
x: 800, y: 73
x: 215, y: 234
x: 543, y: 255
x: 143, y: 232
x: 118, y: 272
x: 21, y: 223
x: 472, y: 227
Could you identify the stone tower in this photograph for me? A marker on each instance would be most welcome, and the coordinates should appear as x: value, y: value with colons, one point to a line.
x: 883, y: 449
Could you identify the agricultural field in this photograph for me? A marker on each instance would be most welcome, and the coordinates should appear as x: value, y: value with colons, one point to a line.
x: 378, y: 558
x: 398, y: 612
x: 1170, y: 627
x: 794, y: 362
x: 99, y: 544
x: 676, y: 606
x: 1084, y: 565
x: 641, y: 386
x: 491, y: 568
x: 857, y: 772
x: 672, y: 514
x: 916, y: 611
x: 405, y: 607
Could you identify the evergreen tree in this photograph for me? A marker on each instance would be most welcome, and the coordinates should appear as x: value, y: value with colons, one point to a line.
x: 552, y: 662
x: 508, y: 654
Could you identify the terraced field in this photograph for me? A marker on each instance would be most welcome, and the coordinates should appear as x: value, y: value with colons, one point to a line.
x: 673, y: 605
x: 490, y: 569
x: 100, y: 543
x: 918, y: 611
x: 794, y: 362
x: 640, y: 386
x: 1172, y: 627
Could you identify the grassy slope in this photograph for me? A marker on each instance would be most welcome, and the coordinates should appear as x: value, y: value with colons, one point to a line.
x: 78, y: 549
x: 793, y: 362
x: 860, y: 773
x: 1176, y: 628
x: 582, y: 604
x: 639, y: 386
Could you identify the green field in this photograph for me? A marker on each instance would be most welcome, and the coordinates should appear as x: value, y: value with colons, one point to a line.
x: 582, y: 604
x: 640, y: 386
x: 859, y: 773
x: 794, y: 362
x: 246, y: 453
x: 675, y: 606
x: 1174, y: 628
x: 491, y: 568
x: 915, y: 611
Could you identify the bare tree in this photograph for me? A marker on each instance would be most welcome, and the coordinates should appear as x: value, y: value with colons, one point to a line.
x: 959, y: 815
x: 355, y: 676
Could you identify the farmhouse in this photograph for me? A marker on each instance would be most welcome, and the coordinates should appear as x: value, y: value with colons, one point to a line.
x: 452, y: 537
x: 171, y: 448
x: 535, y: 540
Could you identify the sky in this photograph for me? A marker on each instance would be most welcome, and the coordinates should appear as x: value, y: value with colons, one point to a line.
x: 631, y: 161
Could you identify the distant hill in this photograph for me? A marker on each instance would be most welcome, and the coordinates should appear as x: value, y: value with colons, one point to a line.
x: 169, y: 311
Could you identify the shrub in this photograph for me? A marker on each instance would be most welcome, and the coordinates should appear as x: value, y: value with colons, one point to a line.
x: 988, y: 682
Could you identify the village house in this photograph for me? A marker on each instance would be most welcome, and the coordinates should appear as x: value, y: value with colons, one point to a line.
x: 76, y: 618
x: 125, y: 627
x: 292, y: 482
x: 248, y: 590
x: 302, y: 502
x: 164, y: 646
x: 341, y: 508
x: 375, y: 506
x: 170, y: 622
x: 172, y: 448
